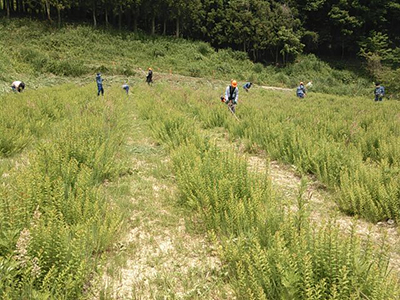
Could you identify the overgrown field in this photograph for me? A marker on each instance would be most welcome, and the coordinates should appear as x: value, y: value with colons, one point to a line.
x: 271, y: 250
x: 57, y: 147
x: 36, y: 53
x: 351, y: 145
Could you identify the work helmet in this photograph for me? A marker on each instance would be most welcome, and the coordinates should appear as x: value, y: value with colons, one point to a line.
x: 150, y: 69
x: 234, y: 83
x: 301, y: 83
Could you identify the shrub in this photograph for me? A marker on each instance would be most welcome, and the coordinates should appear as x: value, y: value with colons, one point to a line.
x: 72, y: 68
x: 204, y: 49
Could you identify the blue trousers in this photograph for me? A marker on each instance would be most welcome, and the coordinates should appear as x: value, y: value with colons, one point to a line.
x: 100, y: 90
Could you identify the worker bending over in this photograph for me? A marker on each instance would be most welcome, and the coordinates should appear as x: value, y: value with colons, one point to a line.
x: 18, y: 86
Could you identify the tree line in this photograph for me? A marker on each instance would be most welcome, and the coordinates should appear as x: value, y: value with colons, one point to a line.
x: 268, y: 30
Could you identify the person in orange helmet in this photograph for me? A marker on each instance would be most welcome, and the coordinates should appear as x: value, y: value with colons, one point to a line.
x: 149, y: 77
x: 232, y: 96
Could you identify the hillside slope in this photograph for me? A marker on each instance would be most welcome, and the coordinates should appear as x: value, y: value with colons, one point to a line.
x: 33, y: 51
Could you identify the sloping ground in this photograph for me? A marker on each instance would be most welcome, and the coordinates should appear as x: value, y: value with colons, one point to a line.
x: 160, y: 257
x: 323, y: 208
x: 321, y: 202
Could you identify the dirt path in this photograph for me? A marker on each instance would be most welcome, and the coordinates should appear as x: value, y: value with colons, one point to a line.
x: 323, y: 207
x: 179, y: 79
x: 321, y: 202
x: 160, y: 257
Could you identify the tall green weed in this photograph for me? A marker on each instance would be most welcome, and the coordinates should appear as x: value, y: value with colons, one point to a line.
x: 55, y: 220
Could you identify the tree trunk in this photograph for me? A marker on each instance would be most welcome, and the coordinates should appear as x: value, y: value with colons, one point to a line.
x: 165, y: 26
x: 153, y: 25
x: 129, y: 19
x: 48, y: 11
x: 112, y: 18
x: 106, y: 17
x: 177, y: 27
x: 135, y: 22
x: 342, y: 49
x: 59, y: 16
x: 94, y: 15
x: 120, y: 18
x: 8, y: 8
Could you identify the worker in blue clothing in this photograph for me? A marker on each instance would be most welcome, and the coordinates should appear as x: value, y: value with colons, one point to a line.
x: 126, y: 88
x: 247, y: 86
x: 301, y: 90
x: 99, y: 82
x: 379, y: 92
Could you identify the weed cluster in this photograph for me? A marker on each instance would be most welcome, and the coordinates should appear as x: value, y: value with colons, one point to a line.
x: 54, y: 218
x: 270, y: 248
x: 351, y: 146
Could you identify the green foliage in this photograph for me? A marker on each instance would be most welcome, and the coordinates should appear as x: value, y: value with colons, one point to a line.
x: 389, y: 79
x: 267, y: 30
x: 336, y: 138
x: 79, y: 50
x: 67, y: 68
x: 271, y: 250
x: 55, y: 220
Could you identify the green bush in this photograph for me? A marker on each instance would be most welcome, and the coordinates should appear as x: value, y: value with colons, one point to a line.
x: 35, y: 58
x: 74, y: 68
x: 390, y: 79
x: 204, y: 49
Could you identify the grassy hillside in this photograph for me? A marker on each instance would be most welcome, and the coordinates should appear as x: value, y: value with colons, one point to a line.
x: 56, y: 221
x: 273, y: 250
x: 33, y: 51
x: 62, y: 148
x: 351, y: 146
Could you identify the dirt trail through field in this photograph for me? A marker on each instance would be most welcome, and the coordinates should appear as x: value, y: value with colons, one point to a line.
x: 322, y: 207
x: 179, y: 79
x: 321, y: 202
x: 160, y: 257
